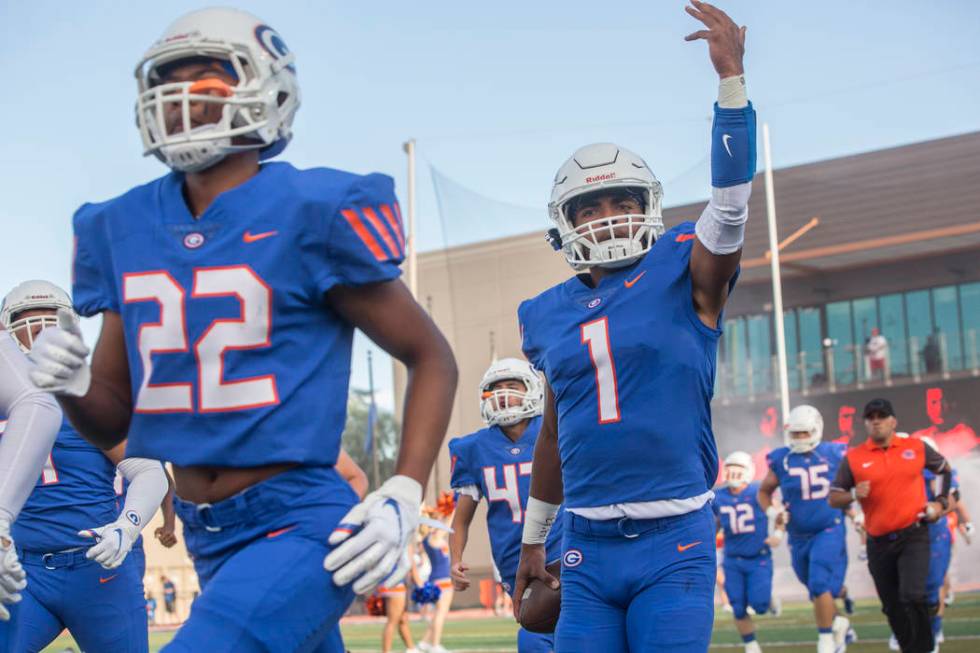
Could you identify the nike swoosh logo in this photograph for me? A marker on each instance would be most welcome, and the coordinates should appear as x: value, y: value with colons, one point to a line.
x: 681, y: 548
x: 279, y: 532
x: 629, y: 282
x: 724, y: 141
x: 251, y: 238
x: 866, y: 465
x: 106, y: 580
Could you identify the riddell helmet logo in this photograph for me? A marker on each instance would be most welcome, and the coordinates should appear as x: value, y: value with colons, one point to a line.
x: 598, y: 178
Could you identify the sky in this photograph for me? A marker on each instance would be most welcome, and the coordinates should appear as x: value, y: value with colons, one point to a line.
x: 496, y: 95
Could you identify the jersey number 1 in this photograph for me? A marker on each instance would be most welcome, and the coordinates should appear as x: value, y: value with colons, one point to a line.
x: 250, y: 330
x: 595, y: 334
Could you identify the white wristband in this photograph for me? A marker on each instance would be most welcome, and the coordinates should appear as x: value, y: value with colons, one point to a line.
x: 731, y: 93
x: 854, y: 494
x: 538, y: 520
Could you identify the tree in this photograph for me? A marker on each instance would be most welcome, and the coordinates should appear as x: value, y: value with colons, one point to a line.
x: 386, y: 437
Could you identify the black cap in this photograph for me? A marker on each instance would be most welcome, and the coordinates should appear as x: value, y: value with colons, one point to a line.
x: 879, y: 406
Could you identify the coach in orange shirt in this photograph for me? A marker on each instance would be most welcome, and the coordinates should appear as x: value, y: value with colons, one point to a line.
x: 885, y: 475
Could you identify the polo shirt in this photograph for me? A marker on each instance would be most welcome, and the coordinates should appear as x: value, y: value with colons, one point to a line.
x: 898, y: 493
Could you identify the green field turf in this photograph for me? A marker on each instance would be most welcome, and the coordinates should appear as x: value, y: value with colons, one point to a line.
x: 792, y: 632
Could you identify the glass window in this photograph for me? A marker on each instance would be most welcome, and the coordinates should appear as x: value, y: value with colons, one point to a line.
x: 811, y: 346
x: 947, y: 311
x: 792, y: 349
x: 919, y: 317
x: 735, y: 356
x: 865, y: 315
x: 760, y: 353
x: 970, y: 310
x: 893, y: 329
x: 839, y: 331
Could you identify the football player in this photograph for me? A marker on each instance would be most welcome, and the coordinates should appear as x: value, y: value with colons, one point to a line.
x: 628, y: 348
x: 803, y: 471
x: 495, y: 464
x: 29, y: 428
x: 230, y: 289
x: 96, y: 592
x: 940, y: 549
x: 748, y: 541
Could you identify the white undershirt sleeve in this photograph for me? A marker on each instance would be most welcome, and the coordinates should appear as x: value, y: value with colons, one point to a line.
x: 33, y: 421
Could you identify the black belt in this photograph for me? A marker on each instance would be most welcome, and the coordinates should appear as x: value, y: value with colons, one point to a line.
x: 894, y: 535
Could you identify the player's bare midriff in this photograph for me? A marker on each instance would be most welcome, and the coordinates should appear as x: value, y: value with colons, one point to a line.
x: 206, y: 484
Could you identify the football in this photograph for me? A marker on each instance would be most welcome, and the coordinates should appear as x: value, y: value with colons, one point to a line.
x: 540, y: 604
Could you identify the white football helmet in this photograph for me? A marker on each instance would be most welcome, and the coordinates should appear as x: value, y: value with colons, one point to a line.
x: 257, y: 113
x: 615, y: 241
x: 803, y: 418
x: 29, y: 296
x: 495, y: 405
x: 739, y: 469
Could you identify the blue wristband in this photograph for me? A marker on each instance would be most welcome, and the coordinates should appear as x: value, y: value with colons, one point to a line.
x: 732, y: 146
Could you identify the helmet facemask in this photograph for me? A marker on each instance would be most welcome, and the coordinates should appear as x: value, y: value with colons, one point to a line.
x: 501, y: 406
x: 256, y: 108
x: 736, y: 476
x: 497, y: 407
x: 20, y: 312
x: 614, y: 241
x: 26, y: 325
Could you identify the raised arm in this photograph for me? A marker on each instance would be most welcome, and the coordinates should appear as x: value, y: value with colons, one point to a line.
x: 721, y: 227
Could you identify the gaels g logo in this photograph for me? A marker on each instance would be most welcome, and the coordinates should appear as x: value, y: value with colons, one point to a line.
x: 572, y: 558
x: 272, y: 43
x: 133, y: 517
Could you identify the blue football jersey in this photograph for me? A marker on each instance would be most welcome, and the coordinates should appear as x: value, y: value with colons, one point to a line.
x: 804, y: 479
x: 74, y: 492
x: 743, y: 520
x: 235, y: 355
x: 930, y: 480
x: 501, y: 469
x: 632, y: 368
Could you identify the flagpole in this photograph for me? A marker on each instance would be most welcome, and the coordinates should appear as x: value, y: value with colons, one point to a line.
x: 413, y: 274
x: 372, y: 410
x: 777, y: 283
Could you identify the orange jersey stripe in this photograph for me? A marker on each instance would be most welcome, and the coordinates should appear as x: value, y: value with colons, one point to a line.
x: 379, y: 226
x: 362, y: 232
x: 395, y: 224
x: 684, y: 237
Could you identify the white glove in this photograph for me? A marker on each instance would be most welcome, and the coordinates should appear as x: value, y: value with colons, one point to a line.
x: 113, y: 542
x: 374, y: 535
x: 968, y: 530
x: 12, y: 576
x: 59, y: 356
